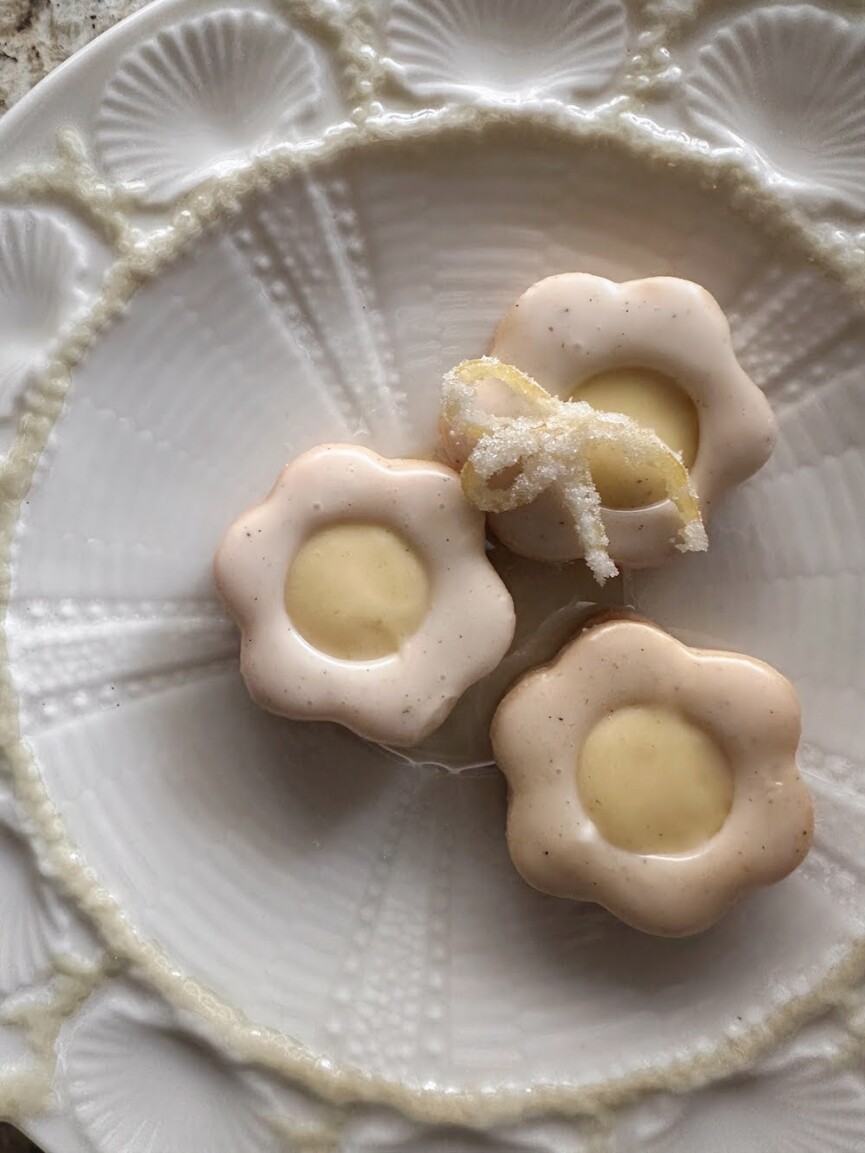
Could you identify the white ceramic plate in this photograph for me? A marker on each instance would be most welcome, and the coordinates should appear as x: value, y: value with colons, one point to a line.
x: 266, y: 225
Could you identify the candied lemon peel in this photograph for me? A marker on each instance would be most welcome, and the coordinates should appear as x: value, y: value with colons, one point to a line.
x: 516, y: 458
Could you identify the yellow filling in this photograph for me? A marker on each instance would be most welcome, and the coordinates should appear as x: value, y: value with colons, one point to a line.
x: 653, y: 781
x: 654, y: 401
x: 356, y: 591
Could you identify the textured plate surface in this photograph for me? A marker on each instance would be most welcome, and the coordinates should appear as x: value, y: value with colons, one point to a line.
x: 318, y: 923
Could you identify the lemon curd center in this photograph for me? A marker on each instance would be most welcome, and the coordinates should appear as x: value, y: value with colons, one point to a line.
x: 653, y: 400
x: 653, y: 781
x: 357, y: 591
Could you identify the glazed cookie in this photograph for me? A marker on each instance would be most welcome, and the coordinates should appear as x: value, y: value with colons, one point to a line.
x: 364, y: 595
x: 656, y: 350
x: 652, y: 778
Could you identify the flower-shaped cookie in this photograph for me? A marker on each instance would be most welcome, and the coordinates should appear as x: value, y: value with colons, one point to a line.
x: 658, y: 350
x: 364, y: 595
x: 654, y: 779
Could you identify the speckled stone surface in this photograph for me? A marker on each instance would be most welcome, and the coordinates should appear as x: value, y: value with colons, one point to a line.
x: 37, y: 35
x: 11, y: 1141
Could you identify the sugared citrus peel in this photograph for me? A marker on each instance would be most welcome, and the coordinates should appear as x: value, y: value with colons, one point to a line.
x: 513, y: 459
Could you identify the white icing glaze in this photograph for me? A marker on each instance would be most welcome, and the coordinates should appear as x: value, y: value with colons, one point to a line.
x: 746, y: 706
x: 467, y: 628
x: 567, y: 329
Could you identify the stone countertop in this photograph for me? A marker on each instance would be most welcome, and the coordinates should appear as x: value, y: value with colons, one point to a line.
x: 37, y: 35
x: 11, y: 1141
